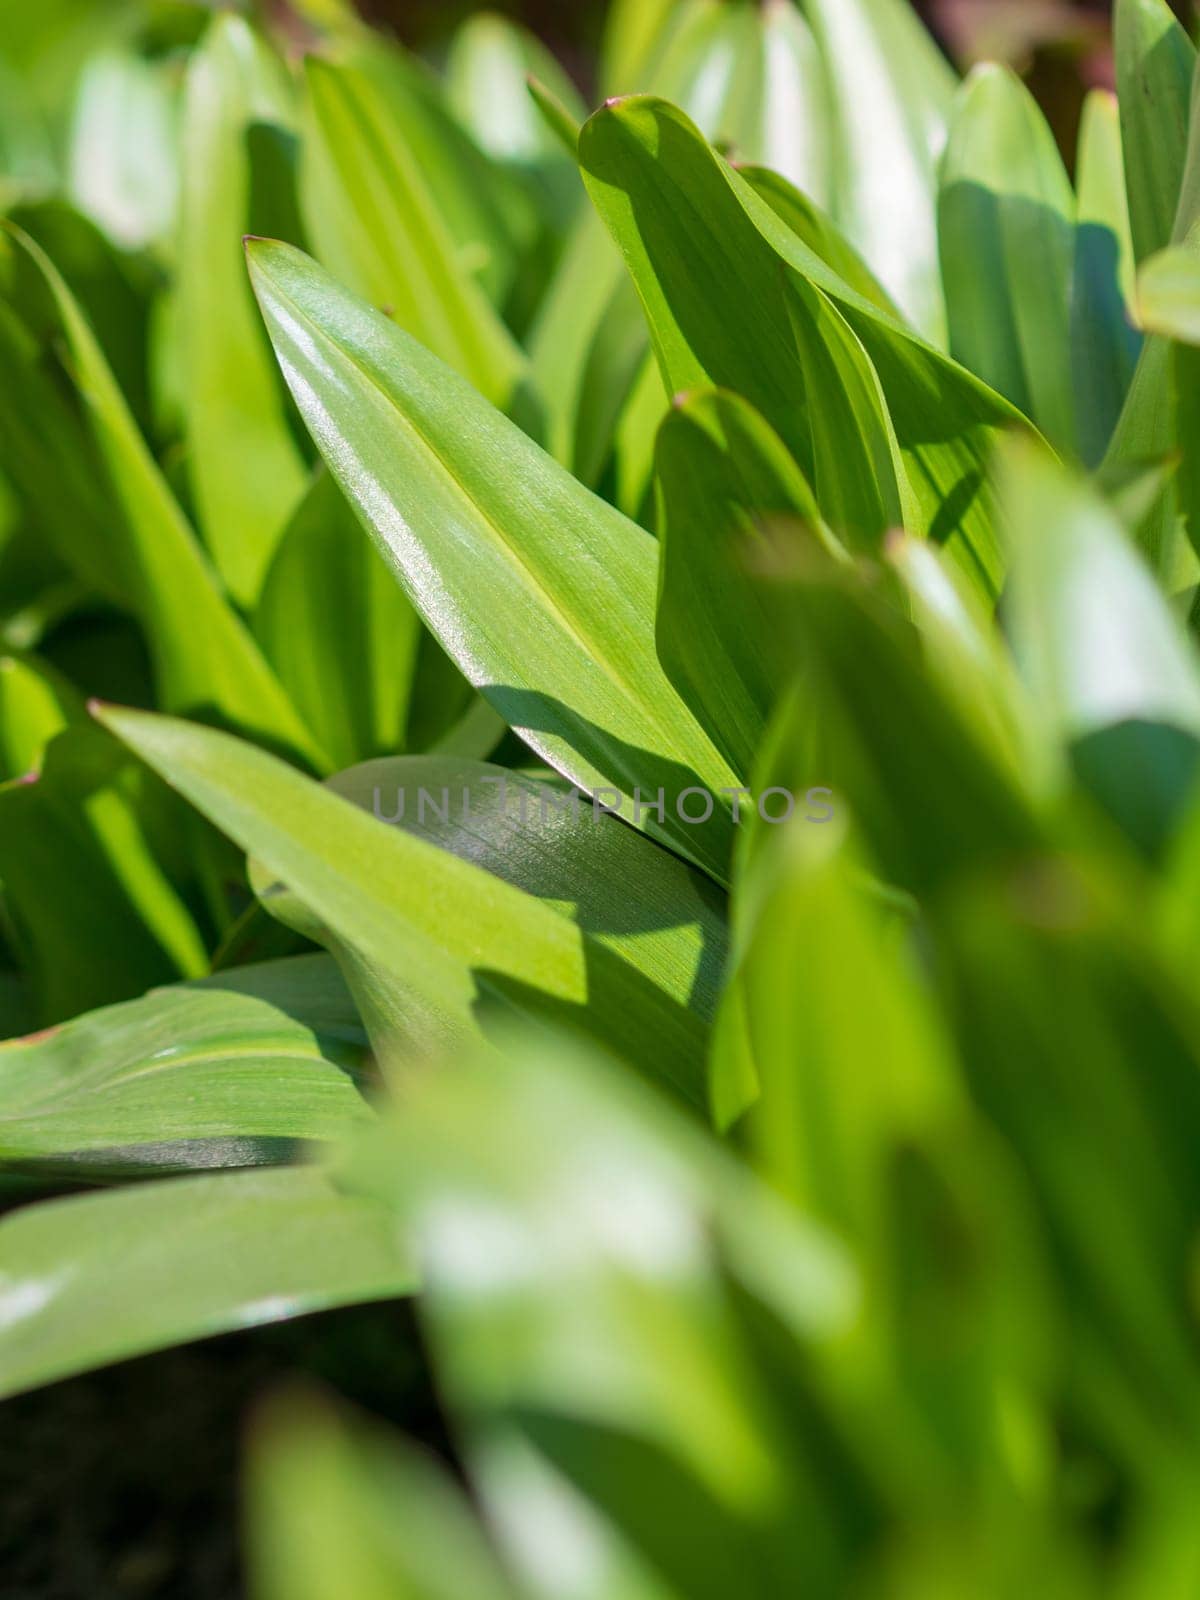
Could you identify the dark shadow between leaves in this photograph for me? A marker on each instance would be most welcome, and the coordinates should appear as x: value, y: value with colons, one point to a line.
x: 1142, y: 775
x: 529, y: 711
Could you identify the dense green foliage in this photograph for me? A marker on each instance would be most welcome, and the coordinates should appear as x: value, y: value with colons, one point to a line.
x: 803, y: 1206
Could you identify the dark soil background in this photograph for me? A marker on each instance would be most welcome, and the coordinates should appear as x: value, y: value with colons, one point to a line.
x: 123, y: 1485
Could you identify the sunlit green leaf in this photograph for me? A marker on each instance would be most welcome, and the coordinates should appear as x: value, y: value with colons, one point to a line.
x: 204, y: 1076
x: 1155, y: 61
x: 543, y: 594
x: 96, y: 1279
x: 246, y: 471
x: 460, y: 941
x: 1006, y: 220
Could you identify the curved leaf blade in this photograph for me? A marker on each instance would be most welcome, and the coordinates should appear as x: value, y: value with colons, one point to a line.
x: 91, y: 1280
x: 460, y: 940
x: 1006, y: 220
x: 222, y: 1073
x: 542, y: 593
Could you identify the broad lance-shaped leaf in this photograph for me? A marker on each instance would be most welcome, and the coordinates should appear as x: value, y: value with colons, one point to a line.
x: 98, y: 1278
x: 744, y: 73
x: 891, y: 91
x: 229, y: 1072
x: 1108, y: 669
x: 731, y: 497
x: 857, y: 474
x: 455, y: 936
x: 541, y: 592
x: 716, y: 267
x: 246, y: 472
x: 204, y: 658
x: 1155, y: 61
x: 1104, y: 345
x: 1006, y: 219
x: 375, y: 224
x: 656, y: 913
x: 328, y: 585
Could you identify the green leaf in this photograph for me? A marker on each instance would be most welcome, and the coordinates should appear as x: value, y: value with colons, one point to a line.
x: 340, y: 1511
x: 730, y: 495
x: 813, y: 1053
x: 99, y: 1278
x: 204, y: 658
x: 719, y: 274
x: 542, y: 593
x: 795, y: 138
x: 1151, y: 426
x: 420, y: 922
x: 586, y: 345
x: 933, y: 797
x: 658, y: 915
x: 1168, y: 294
x: 816, y: 229
x: 1104, y: 345
x: 967, y: 657
x: 860, y: 1118
x: 718, y: 62
x: 190, y: 1077
x: 1155, y: 61
x: 488, y: 67
x: 374, y: 223
x: 97, y: 914
x: 42, y: 441
x: 562, y: 122
x: 857, y: 474
x: 1006, y: 218
x: 114, y: 290
x: 558, y: 1210
x: 328, y: 584
x: 891, y: 91
x: 1066, y: 1021
x: 123, y: 159
x: 245, y: 469
x: 35, y: 706
x: 491, y: 216
x: 636, y: 34
x: 1109, y: 672
x: 1099, y: 652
